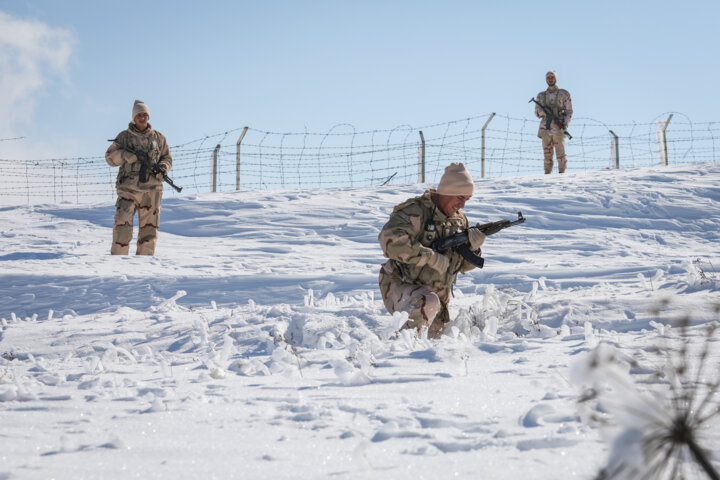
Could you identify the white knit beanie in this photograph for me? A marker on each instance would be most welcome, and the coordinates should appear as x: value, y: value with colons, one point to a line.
x: 456, y: 181
x: 554, y: 73
x: 140, y: 107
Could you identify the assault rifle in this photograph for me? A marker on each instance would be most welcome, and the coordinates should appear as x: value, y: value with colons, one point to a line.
x: 460, y: 241
x: 155, y: 169
x: 146, y: 164
x: 551, y: 117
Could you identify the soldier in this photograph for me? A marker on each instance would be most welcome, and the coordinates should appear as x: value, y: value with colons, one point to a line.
x: 417, y: 279
x: 558, y: 101
x: 137, y: 188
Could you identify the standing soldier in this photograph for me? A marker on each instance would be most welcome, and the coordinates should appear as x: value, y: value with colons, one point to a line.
x: 552, y: 132
x: 136, y: 150
x: 417, y: 279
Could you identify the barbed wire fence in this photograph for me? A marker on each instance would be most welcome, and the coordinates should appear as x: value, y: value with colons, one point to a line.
x: 489, y: 145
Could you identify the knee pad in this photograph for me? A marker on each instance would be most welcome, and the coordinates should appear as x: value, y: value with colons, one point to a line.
x: 147, y: 233
x: 122, y: 233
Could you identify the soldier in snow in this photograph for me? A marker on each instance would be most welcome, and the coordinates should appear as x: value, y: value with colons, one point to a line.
x: 417, y: 279
x: 136, y: 151
x: 552, y: 128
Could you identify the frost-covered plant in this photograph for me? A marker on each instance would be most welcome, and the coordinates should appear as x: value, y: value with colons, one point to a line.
x: 704, y: 276
x: 283, y: 349
x: 661, y: 429
x: 497, y: 314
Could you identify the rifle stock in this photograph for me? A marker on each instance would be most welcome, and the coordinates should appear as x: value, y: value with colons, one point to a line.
x: 156, y: 169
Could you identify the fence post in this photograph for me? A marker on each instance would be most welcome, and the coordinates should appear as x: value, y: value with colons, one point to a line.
x: 616, y: 150
x: 237, y: 159
x: 422, y: 157
x: 482, y: 149
x: 214, y: 171
x: 664, y: 153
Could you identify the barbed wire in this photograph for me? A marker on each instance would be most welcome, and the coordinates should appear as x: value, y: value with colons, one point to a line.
x: 346, y: 157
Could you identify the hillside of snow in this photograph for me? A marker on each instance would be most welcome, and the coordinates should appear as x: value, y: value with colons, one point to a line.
x: 254, y: 344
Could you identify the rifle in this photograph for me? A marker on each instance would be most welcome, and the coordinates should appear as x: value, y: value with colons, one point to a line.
x: 155, y: 169
x: 550, y: 117
x: 460, y: 241
x: 146, y: 164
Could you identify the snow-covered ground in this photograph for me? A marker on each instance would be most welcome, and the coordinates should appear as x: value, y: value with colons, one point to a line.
x: 255, y: 345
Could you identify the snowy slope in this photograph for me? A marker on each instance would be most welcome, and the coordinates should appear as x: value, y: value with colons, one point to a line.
x: 254, y: 344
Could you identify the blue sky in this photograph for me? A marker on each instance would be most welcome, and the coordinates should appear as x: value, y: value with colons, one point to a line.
x: 284, y: 66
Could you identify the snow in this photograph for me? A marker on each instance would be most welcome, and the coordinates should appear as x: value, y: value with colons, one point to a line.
x: 254, y: 344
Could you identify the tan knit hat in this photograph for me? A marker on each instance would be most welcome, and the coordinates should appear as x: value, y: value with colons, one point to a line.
x: 140, y: 107
x: 554, y: 74
x: 456, y: 181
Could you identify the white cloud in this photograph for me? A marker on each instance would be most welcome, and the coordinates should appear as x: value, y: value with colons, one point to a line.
x: 32, y: 54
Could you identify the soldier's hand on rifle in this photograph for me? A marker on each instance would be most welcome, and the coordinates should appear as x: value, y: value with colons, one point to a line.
x: 160, y: 172
x: 475, y: 238
x: 129, y: 157
x: 439, y: 262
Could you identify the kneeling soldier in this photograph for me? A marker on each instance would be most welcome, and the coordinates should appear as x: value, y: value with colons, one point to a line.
x: 417, y: 279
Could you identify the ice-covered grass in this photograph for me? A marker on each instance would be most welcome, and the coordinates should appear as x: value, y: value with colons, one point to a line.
x: 255, y: 345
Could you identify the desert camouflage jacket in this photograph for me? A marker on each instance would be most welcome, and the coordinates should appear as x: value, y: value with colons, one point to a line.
x: 559, y: 102
x: 406, y: 240
x: 151, y: 142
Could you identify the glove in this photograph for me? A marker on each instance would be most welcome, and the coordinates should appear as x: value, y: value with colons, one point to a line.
x: 494, y: 228
x: 160, y: 172
x: 129, y: 157
x: 476, y: 238
x: 439, y: 262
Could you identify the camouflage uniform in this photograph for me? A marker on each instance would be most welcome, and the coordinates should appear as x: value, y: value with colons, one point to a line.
x: 407, y: 282
x: 557, y: 100
x: 135, y: 195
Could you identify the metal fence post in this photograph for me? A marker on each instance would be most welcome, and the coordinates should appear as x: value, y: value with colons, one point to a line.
x: 237, y: 158
x: 616, y: 150
x: 214, y: 170
x: 482, y: 149
x: 422, y: 157
x: 664, y: 153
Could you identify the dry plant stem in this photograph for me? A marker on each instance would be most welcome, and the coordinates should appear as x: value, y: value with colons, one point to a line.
x: 670, y: 441
x: 701, y: 370
x: 701, y: 457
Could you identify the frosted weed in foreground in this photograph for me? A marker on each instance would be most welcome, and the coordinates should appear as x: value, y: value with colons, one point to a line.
x: 664, y: 425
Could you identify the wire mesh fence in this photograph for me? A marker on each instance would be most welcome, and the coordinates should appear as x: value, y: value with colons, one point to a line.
x: 490, y: 145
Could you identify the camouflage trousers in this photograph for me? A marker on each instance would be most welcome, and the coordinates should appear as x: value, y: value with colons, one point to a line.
x: 424, y: 306
x: 557, y: 142
x: 147, y: 205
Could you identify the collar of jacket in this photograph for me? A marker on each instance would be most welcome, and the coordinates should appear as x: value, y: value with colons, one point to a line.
x: 132, y: 128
